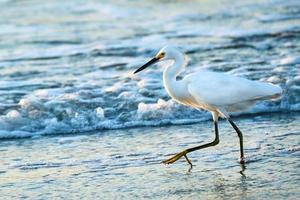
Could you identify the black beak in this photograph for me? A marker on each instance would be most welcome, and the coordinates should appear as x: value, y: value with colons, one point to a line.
x: 150, y: 62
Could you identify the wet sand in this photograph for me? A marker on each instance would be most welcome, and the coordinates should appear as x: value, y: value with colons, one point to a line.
x: 126, y: 164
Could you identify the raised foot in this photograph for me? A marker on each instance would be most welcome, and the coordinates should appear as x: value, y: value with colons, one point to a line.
x: 177, y: 157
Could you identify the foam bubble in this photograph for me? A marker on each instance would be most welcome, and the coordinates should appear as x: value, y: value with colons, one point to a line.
x: 274, y: 79
x: 290, y: 60
x: 13, y: 114
x: 67, y: 140
x: 30, y: 103
x: 100, y: 112
x: 157, y: 110
x: 14, y: 134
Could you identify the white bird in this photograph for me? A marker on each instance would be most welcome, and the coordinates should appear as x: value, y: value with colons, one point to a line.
x: 218, y: 93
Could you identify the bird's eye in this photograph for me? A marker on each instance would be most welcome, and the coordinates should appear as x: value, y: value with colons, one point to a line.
x: 161, y: 55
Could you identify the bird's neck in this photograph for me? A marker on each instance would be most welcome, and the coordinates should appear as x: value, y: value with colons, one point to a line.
x: 172, y: 71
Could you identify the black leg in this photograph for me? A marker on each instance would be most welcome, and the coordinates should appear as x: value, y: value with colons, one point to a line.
x: 183, y: 153
x: 239, y: 132
x: 213, y: 143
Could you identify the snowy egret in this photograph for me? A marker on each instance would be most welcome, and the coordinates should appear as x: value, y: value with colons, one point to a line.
x: 218, y: 93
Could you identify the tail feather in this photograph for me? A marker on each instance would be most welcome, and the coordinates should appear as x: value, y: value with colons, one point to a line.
x: 270, y: 91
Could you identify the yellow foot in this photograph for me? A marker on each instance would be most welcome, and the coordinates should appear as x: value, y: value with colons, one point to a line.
x: 174, y: 158
x: 177, y: 157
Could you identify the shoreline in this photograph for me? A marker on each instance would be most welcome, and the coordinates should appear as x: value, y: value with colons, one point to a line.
x: 188, y: 122
x: 127, y: 163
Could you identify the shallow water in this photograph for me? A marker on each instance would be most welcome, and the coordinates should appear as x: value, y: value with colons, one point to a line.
x: 66, y: 67
x: 126, y: 164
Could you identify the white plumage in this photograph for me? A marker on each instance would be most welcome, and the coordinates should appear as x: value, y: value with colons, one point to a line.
x: 228, y: 92
x: 212, y: 91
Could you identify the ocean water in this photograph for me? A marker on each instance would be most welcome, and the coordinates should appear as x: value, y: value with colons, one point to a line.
x: 66, y: 67
x: 76, y: 124
x: 126, y: 164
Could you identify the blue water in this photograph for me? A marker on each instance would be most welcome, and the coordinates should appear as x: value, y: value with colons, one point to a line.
x: 126, y: 163
x: 66, y: 67
x: 75, y: 123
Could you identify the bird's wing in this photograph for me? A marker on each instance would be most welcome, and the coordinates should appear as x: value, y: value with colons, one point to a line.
x: 221, y: 89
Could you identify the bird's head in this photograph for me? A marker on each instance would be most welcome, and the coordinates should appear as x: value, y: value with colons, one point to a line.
x: 166, y: 53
